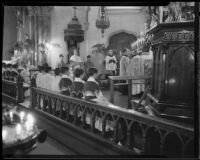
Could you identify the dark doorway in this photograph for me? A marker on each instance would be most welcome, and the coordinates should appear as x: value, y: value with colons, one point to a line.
x: 119, y: 41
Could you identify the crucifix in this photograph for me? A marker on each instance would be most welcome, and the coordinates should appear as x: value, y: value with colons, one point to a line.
x: 75, y: 11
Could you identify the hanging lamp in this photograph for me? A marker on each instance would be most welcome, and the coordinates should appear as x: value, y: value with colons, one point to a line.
x: 102, y: 21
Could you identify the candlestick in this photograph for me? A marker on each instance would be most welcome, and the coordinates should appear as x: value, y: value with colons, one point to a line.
x: 18, y: 129
x: 4, y: 134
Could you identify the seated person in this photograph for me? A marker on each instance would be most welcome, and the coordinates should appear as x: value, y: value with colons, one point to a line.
x: 88, y: 64
x: 48, y: 78
x: 9, y: 72
x: 78, y: 84
x: 15, y: 72
x: 39, y: 78
x: 25, y: 74
x: 55, y: 80
x: 91, y: 88
x: 65, y: 82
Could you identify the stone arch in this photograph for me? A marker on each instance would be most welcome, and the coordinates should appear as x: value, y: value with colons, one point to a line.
x: 136, y: 136
x: 117, y: 32
x: 121, y: 130
x: 172, y: 145
x: 189, y: 150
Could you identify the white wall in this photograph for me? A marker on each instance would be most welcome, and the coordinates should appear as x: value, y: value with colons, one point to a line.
x: 119, y: 21
x: 129, y: 21
x: 60, y: 17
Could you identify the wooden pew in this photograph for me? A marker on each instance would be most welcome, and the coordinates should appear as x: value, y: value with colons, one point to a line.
x: 127, y: 78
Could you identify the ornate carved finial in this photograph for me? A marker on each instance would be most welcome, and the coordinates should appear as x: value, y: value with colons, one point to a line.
x: 75, y: 11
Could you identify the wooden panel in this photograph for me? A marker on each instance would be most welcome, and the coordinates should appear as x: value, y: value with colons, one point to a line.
x: 180, y: 75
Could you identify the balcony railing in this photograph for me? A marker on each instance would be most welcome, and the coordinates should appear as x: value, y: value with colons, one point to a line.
x: 130, y: 130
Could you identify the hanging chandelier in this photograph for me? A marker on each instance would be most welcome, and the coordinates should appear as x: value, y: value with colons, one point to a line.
x: 102, y: 21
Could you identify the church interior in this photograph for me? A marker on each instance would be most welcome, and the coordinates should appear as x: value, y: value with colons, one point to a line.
x: 100, y: 80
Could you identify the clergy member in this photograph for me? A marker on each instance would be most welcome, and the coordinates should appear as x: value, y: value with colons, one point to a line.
x: 124, y: 63
x: 111, y: 62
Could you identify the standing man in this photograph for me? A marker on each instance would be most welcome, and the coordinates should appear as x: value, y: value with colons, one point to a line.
x: 125, y: 63
x: 111, y: 62
x: 88, y: 64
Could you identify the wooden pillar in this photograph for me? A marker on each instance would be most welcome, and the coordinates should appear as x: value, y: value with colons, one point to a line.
x: 111, y: 91
x: 20, y: 93
x: 129, y: 93
x: 33, y: 97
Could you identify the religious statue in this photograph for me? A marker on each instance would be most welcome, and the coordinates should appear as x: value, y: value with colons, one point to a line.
x: 43, y: 51
x: 154, y: 12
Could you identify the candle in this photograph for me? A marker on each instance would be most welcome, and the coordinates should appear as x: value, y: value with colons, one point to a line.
x: 22, y: 114
x: 4, y: 134
x: 30, y: 119
x: 11, y: 116
x: 30, y: 122
x: 18, y: 129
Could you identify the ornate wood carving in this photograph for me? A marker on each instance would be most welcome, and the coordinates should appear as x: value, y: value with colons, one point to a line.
x: 162, y: 131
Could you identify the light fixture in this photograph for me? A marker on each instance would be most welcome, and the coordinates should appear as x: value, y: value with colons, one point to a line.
x: 102, y: 21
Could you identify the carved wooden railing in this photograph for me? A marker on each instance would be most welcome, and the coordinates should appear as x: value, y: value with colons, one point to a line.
x: 13, y: 90
x: 124, y: 128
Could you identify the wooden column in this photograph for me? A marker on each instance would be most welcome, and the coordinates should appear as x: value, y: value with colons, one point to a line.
x: 129, y: 93
x: 111, y: 91
x: 20, y: 93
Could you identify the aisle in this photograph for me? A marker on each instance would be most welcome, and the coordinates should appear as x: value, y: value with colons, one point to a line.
x: 49, y: 147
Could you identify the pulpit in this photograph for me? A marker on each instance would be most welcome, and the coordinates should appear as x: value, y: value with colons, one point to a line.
x: 173, y: 68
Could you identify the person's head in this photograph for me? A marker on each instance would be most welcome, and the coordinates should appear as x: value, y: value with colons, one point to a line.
x: 61, y: 56
x: 3, y: 65
x: 48, y: 69
x: 65, y: 70
x: 45, y: 65
x: 42, y: 69
x: 15, y: 66
x: 88, y: 58
x: 124, y: 52
x: 9, y: 66
x: 57, y: 71
x: 24, y: 65
x: 92, y: 72
x: 110, y: 52
x: 78, y: 73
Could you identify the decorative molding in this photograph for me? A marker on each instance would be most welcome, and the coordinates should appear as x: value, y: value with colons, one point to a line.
x: 179, y: 36
x: 39, y: 10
